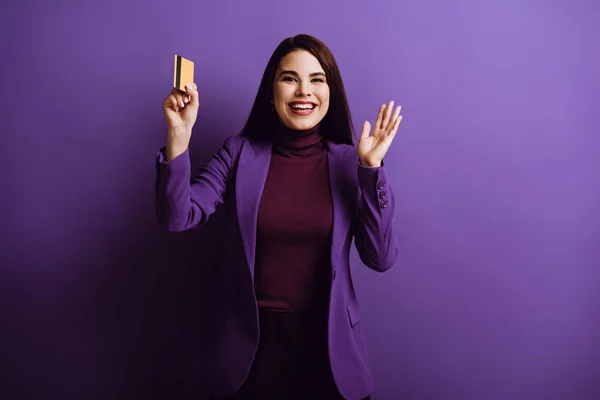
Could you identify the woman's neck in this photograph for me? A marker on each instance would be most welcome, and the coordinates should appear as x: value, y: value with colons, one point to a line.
x: 290, y: 142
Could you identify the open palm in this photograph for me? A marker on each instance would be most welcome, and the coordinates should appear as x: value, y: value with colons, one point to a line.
x: 372, y: 148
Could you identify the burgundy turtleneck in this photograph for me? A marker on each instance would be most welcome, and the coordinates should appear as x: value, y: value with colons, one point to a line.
x: 294, y: 226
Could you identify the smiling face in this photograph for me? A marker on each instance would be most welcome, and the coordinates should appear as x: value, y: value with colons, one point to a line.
x: 300, y: 91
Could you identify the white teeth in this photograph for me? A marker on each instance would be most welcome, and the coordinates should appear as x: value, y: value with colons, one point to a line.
x: 303, y: 106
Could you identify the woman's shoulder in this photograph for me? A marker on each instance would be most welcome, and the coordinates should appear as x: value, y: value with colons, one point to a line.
x: 234, y: 143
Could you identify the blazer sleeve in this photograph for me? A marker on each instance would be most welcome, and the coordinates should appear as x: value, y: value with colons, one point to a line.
x: 375, y: 232
x: 182, y: 203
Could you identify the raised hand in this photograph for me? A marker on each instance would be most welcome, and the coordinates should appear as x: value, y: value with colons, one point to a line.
x: 181, y: 111
x: 372, y: 148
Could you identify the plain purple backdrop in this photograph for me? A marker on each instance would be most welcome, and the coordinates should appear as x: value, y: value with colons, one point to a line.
x: 495, y: 293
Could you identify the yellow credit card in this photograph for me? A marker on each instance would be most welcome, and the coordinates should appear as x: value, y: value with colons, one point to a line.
x: 183, y: 73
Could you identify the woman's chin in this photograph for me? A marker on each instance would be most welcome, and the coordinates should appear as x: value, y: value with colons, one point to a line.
x: 300, y: 125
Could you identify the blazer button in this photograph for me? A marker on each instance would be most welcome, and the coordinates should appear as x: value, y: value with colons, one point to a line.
x: 380, y: 185
x: 334, y: 275
x: 382, y: 194
x: 383, y: 203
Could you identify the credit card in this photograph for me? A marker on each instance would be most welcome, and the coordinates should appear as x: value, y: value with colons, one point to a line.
x: 183, y: 73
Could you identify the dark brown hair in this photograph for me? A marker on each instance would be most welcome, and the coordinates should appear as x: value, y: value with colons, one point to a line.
x: 336, y: 126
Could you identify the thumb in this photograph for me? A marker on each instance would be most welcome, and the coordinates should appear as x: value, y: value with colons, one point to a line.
x: 366, y: 130
x: 192, y: 90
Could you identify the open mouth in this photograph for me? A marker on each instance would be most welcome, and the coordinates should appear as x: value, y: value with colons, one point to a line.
x: 302, y: 108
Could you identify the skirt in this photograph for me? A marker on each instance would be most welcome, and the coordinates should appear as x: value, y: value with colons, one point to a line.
x: 292, y: 359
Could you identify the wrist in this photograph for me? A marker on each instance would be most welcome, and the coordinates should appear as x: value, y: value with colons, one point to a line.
x: 172, y: 152
x: 177, y: 144
x: 179, y: 131
x: 370, y: 163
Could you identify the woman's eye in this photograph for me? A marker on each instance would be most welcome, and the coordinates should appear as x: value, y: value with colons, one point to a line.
x: 288, y: 79
x: 320, y: 80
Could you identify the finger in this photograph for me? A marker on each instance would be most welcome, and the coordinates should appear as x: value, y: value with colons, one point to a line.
x: 193, y: 93
x: 186, y: 95
x: 393, y: 119
x: 379, y: 117
x: 366, y: 130
x: 392, y: 133
x: 386, y: 115
x: 172, y: 101
x: 179, y: 96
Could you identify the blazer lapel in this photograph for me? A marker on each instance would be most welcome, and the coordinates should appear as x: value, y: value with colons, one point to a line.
x: 342, y: 174
x: 253, y: 166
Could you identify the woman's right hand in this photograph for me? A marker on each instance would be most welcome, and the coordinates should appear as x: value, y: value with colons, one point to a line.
x: 181, y: 110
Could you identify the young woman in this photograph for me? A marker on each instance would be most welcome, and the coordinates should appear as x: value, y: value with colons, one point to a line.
x: 285, y: 322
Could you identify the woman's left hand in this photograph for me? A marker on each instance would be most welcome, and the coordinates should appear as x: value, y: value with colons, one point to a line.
x: 372, y: 149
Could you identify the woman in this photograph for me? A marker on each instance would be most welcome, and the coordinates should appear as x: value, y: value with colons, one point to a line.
x: 284, y: 323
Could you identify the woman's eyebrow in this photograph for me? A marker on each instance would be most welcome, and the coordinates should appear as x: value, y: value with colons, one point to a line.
x: 294, y: 73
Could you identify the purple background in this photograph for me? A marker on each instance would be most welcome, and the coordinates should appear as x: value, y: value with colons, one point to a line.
x: 495, y: 293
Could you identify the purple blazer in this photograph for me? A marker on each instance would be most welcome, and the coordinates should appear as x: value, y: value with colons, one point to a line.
x: 363, y: 210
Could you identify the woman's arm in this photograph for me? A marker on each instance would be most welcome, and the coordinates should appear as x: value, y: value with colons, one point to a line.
x: 183, y: 203
x: 374, y: 229
x: 375, y: 234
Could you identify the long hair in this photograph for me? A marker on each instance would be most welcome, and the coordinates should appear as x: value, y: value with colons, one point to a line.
x: 336, y: 126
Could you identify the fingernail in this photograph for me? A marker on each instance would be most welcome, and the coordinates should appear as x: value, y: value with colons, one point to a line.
x: 189, y: 87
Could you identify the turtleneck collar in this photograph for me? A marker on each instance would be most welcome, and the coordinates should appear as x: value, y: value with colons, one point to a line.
x: 293, y: 143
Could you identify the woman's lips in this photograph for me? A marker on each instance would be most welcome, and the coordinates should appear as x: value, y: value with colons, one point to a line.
x: 302, y: 111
